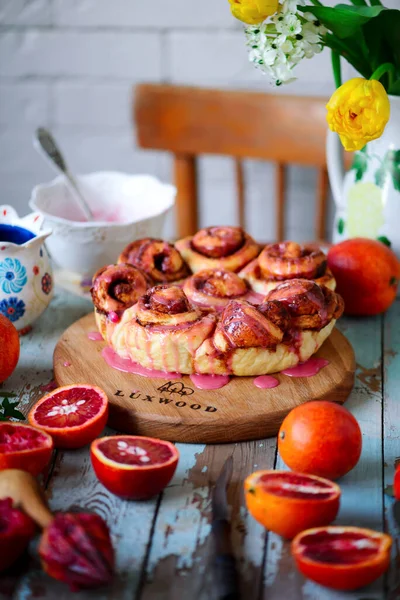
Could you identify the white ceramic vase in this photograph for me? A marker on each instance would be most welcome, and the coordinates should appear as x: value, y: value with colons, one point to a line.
x: 367, y: 197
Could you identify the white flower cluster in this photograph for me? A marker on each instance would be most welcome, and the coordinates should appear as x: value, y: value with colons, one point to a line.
x: 278, y: 44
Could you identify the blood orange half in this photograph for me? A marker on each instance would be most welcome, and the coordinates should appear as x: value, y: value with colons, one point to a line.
x: 132, y: 466
x: 16, y: 529
x: 24, y: 447
x: 73, y: 415
x: 287, y: 503
x: 396, y: 483
x: 342, y: 558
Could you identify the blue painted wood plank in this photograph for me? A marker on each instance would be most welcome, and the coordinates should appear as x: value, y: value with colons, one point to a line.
x: 391, y: 431
x: 182, y: 545
x: 361, y: 488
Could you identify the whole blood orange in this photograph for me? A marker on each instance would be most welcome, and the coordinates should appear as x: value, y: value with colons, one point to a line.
x: 16, y: 529
x: 321, y: 438
x: 342, y: 558
x: 24, y: 447
x: 9, y: 348
x: 287, y: 503
x: 396, y: 483
x: 74, y: 415
x: 132, y: 466
x: 367, y: 274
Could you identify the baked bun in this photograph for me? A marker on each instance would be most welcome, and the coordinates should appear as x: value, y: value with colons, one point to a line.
x: 228, y: 248
x: 285, y: 261
x: 214, y: 288
x: 160, y: 260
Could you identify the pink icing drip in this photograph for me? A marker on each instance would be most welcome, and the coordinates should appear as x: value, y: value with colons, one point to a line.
x: 128, y: 366
x: 254, y: 297
x: 265, y: 382
x: 95, y: 336
x: 311, y: 367
x: 114, y: 317
x: 209, y: 382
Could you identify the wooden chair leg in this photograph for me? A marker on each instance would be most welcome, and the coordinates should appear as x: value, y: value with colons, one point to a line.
x: 280, y: 201
x: 185, y: 174
x: 322, y: 196
x: 240, y: 186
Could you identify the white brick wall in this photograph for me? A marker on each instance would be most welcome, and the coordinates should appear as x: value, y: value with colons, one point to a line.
x: 70, y: 65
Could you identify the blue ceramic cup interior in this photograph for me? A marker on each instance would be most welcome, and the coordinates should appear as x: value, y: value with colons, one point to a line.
x: 15, y: 235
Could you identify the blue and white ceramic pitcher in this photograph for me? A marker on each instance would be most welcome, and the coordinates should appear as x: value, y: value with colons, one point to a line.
x: 26, y: 279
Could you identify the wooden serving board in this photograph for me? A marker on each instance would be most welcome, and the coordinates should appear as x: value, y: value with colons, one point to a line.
x: 177, y: 411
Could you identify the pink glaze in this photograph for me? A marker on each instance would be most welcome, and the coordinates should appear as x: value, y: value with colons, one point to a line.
x: 209, y: 382
x: 114, y: 317
x: 67, y: 364
x: 311, y: 367
x: 49, y: 387
x: 254, y: 297
x: 95, y: 336
x: 265, y: 382
x: 128, y: 366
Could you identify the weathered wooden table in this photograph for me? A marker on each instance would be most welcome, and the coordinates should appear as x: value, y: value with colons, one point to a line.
x: 163, y: 545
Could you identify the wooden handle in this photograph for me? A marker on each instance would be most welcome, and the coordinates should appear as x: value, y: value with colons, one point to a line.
x: 26, y: 494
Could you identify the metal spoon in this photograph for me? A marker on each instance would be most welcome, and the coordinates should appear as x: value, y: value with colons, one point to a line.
x: 44, y: 141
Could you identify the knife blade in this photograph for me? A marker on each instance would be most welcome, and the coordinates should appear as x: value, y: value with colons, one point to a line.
x: 224, y: 564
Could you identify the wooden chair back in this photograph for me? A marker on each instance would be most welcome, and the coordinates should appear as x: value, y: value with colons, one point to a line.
x: 192, y: 121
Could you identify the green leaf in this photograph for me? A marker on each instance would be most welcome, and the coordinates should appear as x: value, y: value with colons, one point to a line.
x: 343, y: 47
x: 386, y: 241
x: 8, y: 411
x: 340, y: 226
x: 344, y: 20
x: 360, y: 164
x: 390, y: 167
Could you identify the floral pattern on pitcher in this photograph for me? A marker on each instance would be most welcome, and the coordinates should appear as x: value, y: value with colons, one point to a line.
x: 372, y: 179
x: 12, y: 276
x: 26, y: 283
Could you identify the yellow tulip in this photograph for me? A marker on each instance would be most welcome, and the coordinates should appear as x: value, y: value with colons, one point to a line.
x: 253, y: 11
x: 358, y: 111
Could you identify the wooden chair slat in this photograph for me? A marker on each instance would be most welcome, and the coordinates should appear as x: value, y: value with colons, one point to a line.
x: 240, y: 187
x: 280, y: 200
x: 322, y: 199
x: 185, y: 170
x: 189, y: 121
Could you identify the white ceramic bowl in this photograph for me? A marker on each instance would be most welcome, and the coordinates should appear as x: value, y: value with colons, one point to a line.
x: 126, y: 207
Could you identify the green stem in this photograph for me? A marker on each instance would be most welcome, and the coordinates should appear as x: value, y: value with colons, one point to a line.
x: 388, y: 68
x: 316, y: 2
x: 337, y: 71
x: 376, y: 3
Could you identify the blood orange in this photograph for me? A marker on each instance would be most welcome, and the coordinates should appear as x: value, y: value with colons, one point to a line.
x: 287, y: 502
x: 396, y: 483
x: 76, y: 548
x: 73, y: 415
x: 132, y: 466
x: 24, y: 447
x: 342, y: 558
x: 321, y: 438
x: 16, y: 529
x: 9, y: 348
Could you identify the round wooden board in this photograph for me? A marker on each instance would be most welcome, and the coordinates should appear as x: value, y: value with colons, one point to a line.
x: 179, y: 412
